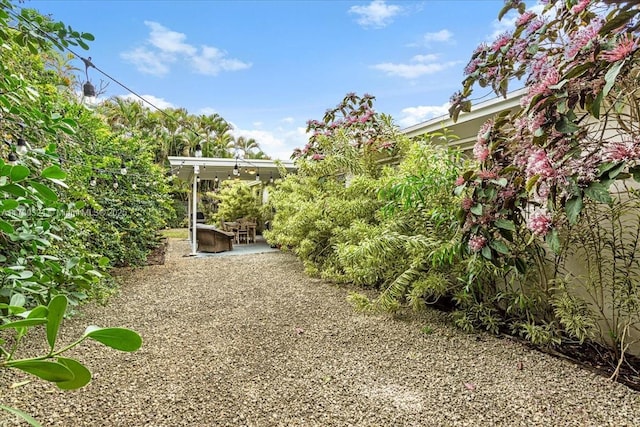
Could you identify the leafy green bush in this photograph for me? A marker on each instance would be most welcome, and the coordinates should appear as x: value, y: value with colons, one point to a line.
x: 236, y: 200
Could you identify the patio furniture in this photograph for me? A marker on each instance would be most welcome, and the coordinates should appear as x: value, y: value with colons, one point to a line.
x: 212, y: 239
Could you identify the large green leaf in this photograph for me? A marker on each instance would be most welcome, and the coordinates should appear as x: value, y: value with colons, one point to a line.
x: 14, y: 189
x: 476, y: 210
x: 81, y: 375
x: 18, y: 173
x: 6, y: 227
x: 610, y: 77
x: 49, y: 371
x: 573, y: 207
x: 118, y: 338
x: 598, y: 192
x: 500, y: 247
x: 53, y: 172
x: 505, y: 224
x: 23, y: 323
x: 8, y: 204
x: 57, y: 307
x: 44, y: 191
x: 553, y: 240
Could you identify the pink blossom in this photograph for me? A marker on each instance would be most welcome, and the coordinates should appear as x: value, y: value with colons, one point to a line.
x: 507, y: 193
x: 480, y: 151
x: 536, y: 122
x: 467, y: 203
x: 501, y: 41
x: 539, y: 164
x: 580, y: 6
x: 471, y: 66
x: 583, y: 38
x: 317, y: 156
x: 460, y: 180
x: 540, y: 222
x: 525, y: 18
x: 623, y: 49
x: 484, y: 174
x: 485, y: 131
x: 535, y: 25
x: 621, y: 151
x: 477, y: 242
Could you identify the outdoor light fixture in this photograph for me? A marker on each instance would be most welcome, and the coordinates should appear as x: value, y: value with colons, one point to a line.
x: 93, y: 182
x: 271, y: 178
x: 198, y: 180
x: 123, y: 168
x: 12, y: 159
x: 21, y: 147
x: 229, y: 176
x: 258, y: 176
x: 216, y: 179
x: 88, y: 89
x: 198, y: 152
x: 236, y: 171
x: 115, y: 184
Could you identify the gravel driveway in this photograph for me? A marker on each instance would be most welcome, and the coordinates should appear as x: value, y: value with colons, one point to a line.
x: 251, y: 341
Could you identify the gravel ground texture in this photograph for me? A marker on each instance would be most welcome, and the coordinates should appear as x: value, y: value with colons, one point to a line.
x: 251, y: 341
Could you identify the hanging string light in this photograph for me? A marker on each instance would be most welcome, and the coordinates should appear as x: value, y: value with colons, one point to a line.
x: 236, y: 171
x: 12, y: 159
x: 258, y: 175
x: 271, y: 178
x: 115, y: 183
x: 123, y: 168
x: 88, y: 89
x: 93, y: 182
x: 198, y: 152
x: 21, y: 147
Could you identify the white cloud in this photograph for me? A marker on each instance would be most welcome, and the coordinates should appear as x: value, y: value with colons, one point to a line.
x: 440, y: 36
x: 278, y: 147
x: 415, y: 115
x: 425, y: 58
x: 169, y: 41
x: 158, y: 102
x: 165, y: 47
x: 377, y: 14
x: 147, y: 62
x: 420, y: 66
x: 288, y: 120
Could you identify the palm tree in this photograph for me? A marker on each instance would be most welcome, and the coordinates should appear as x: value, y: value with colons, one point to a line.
x: 244, y: 145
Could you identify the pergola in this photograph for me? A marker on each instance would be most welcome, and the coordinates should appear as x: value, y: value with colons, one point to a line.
x: 194, y: 169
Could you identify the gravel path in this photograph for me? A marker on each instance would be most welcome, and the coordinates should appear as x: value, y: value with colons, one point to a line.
x: 251, y: 341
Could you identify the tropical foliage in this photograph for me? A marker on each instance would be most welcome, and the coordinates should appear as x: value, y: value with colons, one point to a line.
x: 538, y: 235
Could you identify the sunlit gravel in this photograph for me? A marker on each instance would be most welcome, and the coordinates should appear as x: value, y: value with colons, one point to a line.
x: 251, y: 341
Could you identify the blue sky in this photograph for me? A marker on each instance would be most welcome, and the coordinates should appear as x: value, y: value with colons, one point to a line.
x: 269, y: 66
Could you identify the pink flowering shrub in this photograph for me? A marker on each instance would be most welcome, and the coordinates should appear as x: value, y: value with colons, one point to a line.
x: 576, y: 136
x: 555, y: 151
x: 354, y: 119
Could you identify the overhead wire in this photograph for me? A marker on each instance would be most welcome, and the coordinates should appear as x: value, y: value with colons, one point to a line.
x: 89, y: 63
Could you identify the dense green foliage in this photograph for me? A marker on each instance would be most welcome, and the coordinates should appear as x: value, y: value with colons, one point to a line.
x: 233, y: 200
x: 50, y: 253
x: 354, y: 215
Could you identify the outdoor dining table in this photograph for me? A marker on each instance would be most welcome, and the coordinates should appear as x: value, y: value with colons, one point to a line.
x: 235, y: 227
